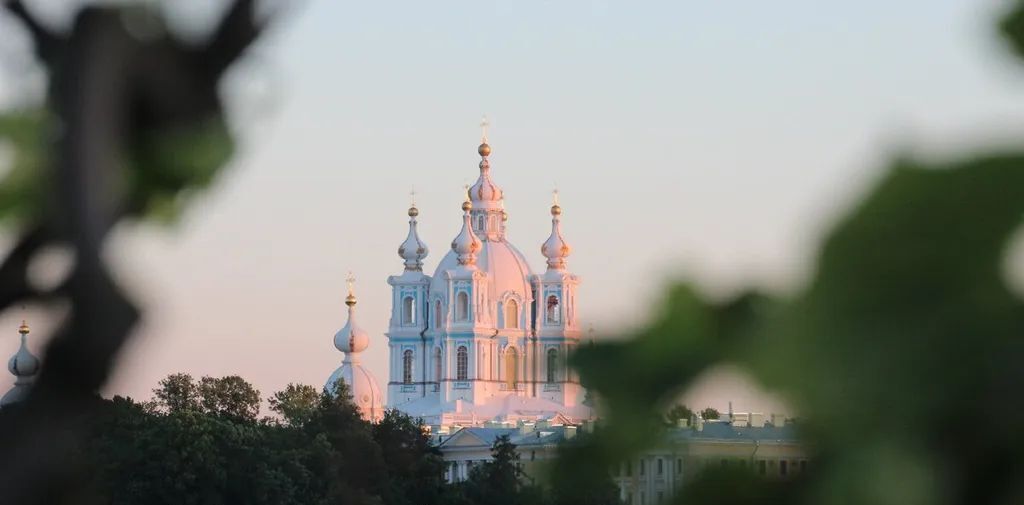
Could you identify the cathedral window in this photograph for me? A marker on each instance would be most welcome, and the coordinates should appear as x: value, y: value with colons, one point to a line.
x: 552, y: 364
x: 553, y: 312
x: 512, y: 314
x: 407, y: 366
x: 462, y: 363
x: 462, y: 306
x: 511, y: 367
x: 480, y: 223
x: 408, y: 311
x: 437, y: 314
x: 437, y: 365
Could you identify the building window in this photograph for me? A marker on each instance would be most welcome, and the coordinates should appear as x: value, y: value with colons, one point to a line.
x: 552, y: 364
x: 629, y: 469
x: 480, y: 223
x: 437, y: 365
x: 661, y: 496
x: 511, y: 367
x: 408, y: 311
x: 783, y: 467
x: 437, y: 314
x: 661, y: 467
x: 553, y: 312
x: 643, y: 467
x: 762, y: 467
x: 462, y: 363
x: 512, y: 314
x: 462, y: 306
x: 407, y: 366
x: 679, y: 466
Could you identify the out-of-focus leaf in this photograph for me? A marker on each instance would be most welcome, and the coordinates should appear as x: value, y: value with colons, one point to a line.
x: 22, y: 188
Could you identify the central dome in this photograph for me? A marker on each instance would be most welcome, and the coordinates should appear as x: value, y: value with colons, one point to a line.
x: 506, y: 269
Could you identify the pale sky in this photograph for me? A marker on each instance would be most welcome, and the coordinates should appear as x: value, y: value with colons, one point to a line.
x: 708, y: 141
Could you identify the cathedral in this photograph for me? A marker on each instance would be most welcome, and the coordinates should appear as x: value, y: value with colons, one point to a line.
x: 482, y: 341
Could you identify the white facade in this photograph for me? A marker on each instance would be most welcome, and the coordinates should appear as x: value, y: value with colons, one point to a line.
x: 484, y: 338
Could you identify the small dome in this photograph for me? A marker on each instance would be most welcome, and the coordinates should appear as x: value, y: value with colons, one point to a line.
x: 24, y: 366
x: 466, y: 244
x: 413, y: 250
x: 363, y: 387
x: 23, y: 363
x: 555, y: 248
x: 485, y: 194
x: 351, y: 338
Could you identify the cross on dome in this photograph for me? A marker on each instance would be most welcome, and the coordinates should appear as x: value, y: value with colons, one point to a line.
x: 350, y: 300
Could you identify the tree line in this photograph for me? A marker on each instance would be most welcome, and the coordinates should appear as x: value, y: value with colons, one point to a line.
x: 204, y: 442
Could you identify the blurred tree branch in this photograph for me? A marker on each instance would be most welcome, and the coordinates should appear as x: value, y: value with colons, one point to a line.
x: 135, y: 122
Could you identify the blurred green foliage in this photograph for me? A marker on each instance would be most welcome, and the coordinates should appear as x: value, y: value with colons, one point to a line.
x: 162, y: 170
x: 904, y: 355
x: 24, y: 157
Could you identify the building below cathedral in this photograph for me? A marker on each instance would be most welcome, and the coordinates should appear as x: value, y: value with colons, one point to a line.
x: 768, y: 447
x: 482, y: 340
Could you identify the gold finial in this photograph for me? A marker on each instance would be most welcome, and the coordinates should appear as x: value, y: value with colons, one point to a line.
x: 467, y: 204
x: 413, y: 211
x: 350, y: 300
x: 23, y: 329
x: 555, y: 208
x: 484, y: 150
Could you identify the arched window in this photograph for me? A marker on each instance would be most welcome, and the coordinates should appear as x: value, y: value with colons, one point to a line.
x: 511, y: 367
x: 462, y: 306
x: 462, y: 363
x: 553, y: 313
x: 407, y: 366
x: 512, y: 314
x: 437, y: 365
x: 437, y: 314
x: 408, y: 310
x: 552, y: 364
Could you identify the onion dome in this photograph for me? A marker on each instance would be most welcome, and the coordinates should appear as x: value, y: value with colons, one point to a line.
x: 485, y: 194
x: 351, y: 338
x: 360, y: 382
x: 24, y: 366
x: 555, y: 248
x: 413, y: 250
x: 466, y: 244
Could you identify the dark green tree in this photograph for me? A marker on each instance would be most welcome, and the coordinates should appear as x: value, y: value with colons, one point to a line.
x: 177, y: 393
x: 229, y: 396
x: 296, y: 404
x: 678, y: 412
x: 415, y: 468
x: 500, y: 481
x: 710, y: 413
